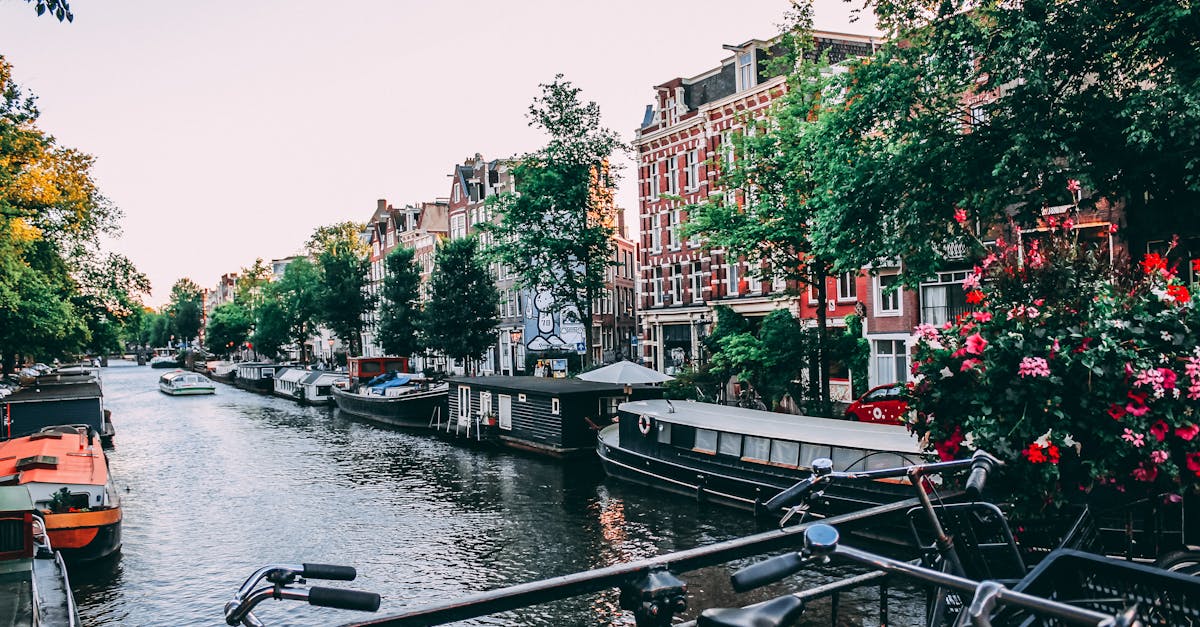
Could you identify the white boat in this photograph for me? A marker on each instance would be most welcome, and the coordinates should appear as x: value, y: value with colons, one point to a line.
x: 184, y: 383
x: 164, y: 358
x: 316, y: 386
x: 287, y: 382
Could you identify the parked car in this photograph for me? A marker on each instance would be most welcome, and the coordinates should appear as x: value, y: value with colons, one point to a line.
x: 884, y: 404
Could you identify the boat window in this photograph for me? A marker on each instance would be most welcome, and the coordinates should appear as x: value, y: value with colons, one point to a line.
x: 784, y: 452
x: 757, y: 449
x: 323, y: 390
x: 706, y: 441
x: 464, y: 402
x: 368, y: 367
x: 730, y: 444
x: 555, y: 406
x: 664, y: 432
x: 809, y: 452
x: 843, y: 458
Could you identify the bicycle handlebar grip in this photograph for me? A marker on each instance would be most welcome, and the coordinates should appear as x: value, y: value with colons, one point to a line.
x: 767, y: 571
x: 790, y: 496
x: 343, y: 599
x: 329, y: 571
x: 981, y: 465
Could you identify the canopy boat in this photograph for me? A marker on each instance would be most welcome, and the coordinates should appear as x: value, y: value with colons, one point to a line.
x: 34, y: 587
x: 184, y: 383
x: 67, y: 477
x: 394, y: 399
x: 743, y: 457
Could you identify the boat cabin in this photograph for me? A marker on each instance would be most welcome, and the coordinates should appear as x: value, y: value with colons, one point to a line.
x: 49, y: 403
x: 316, y: 387
x: 557, y: 417
x: 256, y: 376
x: 363, y: 369
x: 662, y: 428
x: 287, y: 382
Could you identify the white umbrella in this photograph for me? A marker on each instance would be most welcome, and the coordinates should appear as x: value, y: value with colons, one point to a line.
x: 625, y: 373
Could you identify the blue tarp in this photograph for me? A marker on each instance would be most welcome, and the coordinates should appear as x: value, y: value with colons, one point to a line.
x: 387, y: 380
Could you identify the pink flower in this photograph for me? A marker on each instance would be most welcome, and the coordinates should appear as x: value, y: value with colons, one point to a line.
x: 981, y: 316
x: 1034, y: 367
x: 1136, y: 439
x: 976, y: 344
x: 960, y: 215
x: 991, y: 258
x: 1112, y: 228
x: 971, y: 282
x: 1145, y: 473
x: 1159, y: 457
x: 1072, y: 185
x: 968, y: 364
x: 1168, y: 378
x: 1187, y: 433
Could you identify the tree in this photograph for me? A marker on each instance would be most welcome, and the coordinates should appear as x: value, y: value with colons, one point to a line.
x: 250, y: 284
x: 298, y: 294
x: 766, y: 213
x: 461, y: 313
x: 109, y: 298
x: 228, y: 326
x: 400, y: 308
x: 344, y: 298
x: 60, y: 9
x: 555, y: 230
x: 271, y: 329
x: 187, y: 308
x: 1102, y: 93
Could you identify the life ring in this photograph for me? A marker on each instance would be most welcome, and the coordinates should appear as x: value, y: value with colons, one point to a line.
x: 644, y: 424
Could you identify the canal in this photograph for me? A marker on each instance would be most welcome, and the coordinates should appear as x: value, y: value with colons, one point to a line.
x: 215, y: 486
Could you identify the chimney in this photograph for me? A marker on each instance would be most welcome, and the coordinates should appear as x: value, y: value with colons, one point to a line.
x: 381, y: 204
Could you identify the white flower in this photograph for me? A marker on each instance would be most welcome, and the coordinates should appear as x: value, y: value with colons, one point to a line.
x: 969, y: 440
x: 1044, y: 440
x: 1166, y: 336
x: 946, y: 373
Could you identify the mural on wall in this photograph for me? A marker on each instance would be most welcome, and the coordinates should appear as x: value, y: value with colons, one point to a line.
x: 545, y: 329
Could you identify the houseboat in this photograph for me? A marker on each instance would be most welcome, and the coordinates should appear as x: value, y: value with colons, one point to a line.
x: 363, y: 369
x: 66, y: 474
x: 555, y: 417
x: 394, y: 399
x: 743, y: 457
x: 256, y: 376
x: 223, y: 371
x: 287, y: 382
x: 164, y: 358
x: 184, y: 383
x: 34, y: 586
x: 50, y: 400
x: 316, y: 388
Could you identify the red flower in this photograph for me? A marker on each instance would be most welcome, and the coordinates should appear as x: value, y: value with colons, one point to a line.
x: 1159, y: 430
x: 1072, y: 185
x: 1169, y: 378
x: 975, y: 344
x: 1193, y: 463
x: 1034, y: 454
x: 1179, y: 293
x: 1052, y: 453
x: 1153, y: 262
x: 1116, y: 411
x: 1145, y: 472
x: 960, y: 215
x: 974, y: 297
x: 1196, y: 266
x: 948, y: 449
x: 1187, y: 433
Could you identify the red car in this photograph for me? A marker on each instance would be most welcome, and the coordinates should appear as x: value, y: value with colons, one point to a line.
x: 884, y: 404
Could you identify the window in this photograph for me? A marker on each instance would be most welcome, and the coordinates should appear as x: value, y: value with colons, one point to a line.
x: 847, y: 286
x: 727, y: 149
x: 458, y: 226
x: 677, y: 286
x: 745, y: 68
x: 652, y: 175
x: 697, y: 294
x: 944, y: 300
x: 706, y: 441
x: 673, y: 230
x: 733, y: 278
x: 887, y: 295
x: 457, y: 193
x: 785, y: 453
x: 730, y: 444
x: 809, y: 452
x: 672, y: 175
x: 693, y: 171
x: 664, y: 433
x: 891, y: 361
x: 555, y: 406
x: 657, y: 285
x: 520, y: 398
x: 505, y: 412
x: 464, y: 402
x: 655, y: 235
x: 756, y: 448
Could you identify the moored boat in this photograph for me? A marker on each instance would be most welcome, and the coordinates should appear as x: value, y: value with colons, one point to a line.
x: 67, y: 476
x: 184, y: 383
x: 54, y: 399
x: 316, y: 388
x: 743, y: 457
x: 34, y: 587
x: 287, y: 382
x: 164, y: 358
x: 397, y: 401
x: 256, y: 376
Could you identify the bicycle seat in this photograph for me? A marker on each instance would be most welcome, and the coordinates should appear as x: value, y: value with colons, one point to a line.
x: 774, y: 613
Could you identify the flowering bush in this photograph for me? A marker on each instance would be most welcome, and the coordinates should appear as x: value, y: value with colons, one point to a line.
x: 1081, y: 377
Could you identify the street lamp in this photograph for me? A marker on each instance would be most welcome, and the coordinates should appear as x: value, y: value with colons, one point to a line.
x: 331, y: 364
x: 514, y: 337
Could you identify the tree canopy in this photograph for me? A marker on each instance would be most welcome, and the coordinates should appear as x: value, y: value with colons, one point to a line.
x: 459, y: 318
x: 228, y: 327
x: 187, y: 308
x: 400, y: 307
x: 343, y: 297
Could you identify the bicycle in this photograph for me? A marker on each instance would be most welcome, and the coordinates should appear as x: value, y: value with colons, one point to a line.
x: 281, y: 578
x: 990, y: 599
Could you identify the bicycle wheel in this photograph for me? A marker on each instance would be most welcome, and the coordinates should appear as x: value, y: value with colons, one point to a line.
x: 1184, y: 561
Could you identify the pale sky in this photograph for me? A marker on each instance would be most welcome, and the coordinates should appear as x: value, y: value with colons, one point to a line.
x: 230, y: 129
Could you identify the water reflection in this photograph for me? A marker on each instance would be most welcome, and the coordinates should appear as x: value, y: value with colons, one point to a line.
x: 220, y: 485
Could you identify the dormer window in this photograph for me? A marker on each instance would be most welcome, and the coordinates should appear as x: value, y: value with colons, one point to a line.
x: 746, y: 75
x: 672, y: 113
x: 457, y: 193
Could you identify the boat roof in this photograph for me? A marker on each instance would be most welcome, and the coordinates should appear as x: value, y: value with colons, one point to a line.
x: 55, y: 392
x: 319, y: 376
x: 291, y: 374
x: 544, y: 385
x: 15, y: 499
x: 765, y: 424
x: 75, y: 464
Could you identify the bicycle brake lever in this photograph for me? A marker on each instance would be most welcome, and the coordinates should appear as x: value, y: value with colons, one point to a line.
x: 801, y: 509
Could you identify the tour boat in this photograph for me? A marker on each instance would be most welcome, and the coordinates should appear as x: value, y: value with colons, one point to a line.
x: 34, y: 587
x: 66, y: 473
x: 184, y: 383
x: 743, y: 457
x: 395, y: 399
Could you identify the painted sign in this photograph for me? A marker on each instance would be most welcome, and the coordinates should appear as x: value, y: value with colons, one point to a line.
x: 545, y: 329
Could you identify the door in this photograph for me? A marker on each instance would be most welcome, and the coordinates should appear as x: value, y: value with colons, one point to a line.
x: 505, y: 412
x: 464, y: 404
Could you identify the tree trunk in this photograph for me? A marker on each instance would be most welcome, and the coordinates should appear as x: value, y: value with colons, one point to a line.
x: 822, y: 335
x: 586, y: 315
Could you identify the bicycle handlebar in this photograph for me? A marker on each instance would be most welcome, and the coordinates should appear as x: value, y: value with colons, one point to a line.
x: 343, y: 599
x: 328, y: 571
x: 240, y: 610
x: 981, y: 465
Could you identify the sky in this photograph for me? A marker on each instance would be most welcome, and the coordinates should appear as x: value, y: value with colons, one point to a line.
x: 227, y: 130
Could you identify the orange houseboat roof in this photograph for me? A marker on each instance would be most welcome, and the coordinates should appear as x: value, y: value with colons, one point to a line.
x: 54, y: 458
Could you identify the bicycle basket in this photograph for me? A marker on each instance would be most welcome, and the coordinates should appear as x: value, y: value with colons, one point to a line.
x: 1109, y: 586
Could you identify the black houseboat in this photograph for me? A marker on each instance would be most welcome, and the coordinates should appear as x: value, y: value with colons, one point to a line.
x: 557, y: 417
x: 743, y: 457
x: 256, y: 376
x: 53, y: 400
x: 382, y: 391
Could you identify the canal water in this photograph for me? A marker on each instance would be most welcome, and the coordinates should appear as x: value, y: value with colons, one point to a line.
x: 215, y: 486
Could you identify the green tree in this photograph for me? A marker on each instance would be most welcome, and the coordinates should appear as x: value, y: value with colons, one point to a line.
x: 250, y: 284
x: 400, y: 307
x: 461, y: 314
x: 555, y: 230
x: 228, y: 326
x: 344, y: 298
x: 109, y: 298
x: 298, y: 294
x: 271, y: 329
x: 161, y: 329
x: 1099, y: 92
x: 186, y: 306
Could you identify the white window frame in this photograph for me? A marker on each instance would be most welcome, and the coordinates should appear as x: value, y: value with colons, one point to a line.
x: 655, y: 234
x: 485, y: 403
x: 696, y: 287
x: 744, y: 66
x: 898, y: 295
x: 555, y: 406
x: 464, y: 409
x: 847, y: 281
x: 693, y: 170
x: 673, y: 219
x: 673, y: 174
x: 732, y: 277
x: 504, y: 417
x: 652, y: 175
x: 877, y: 367
x: 457, y: 192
